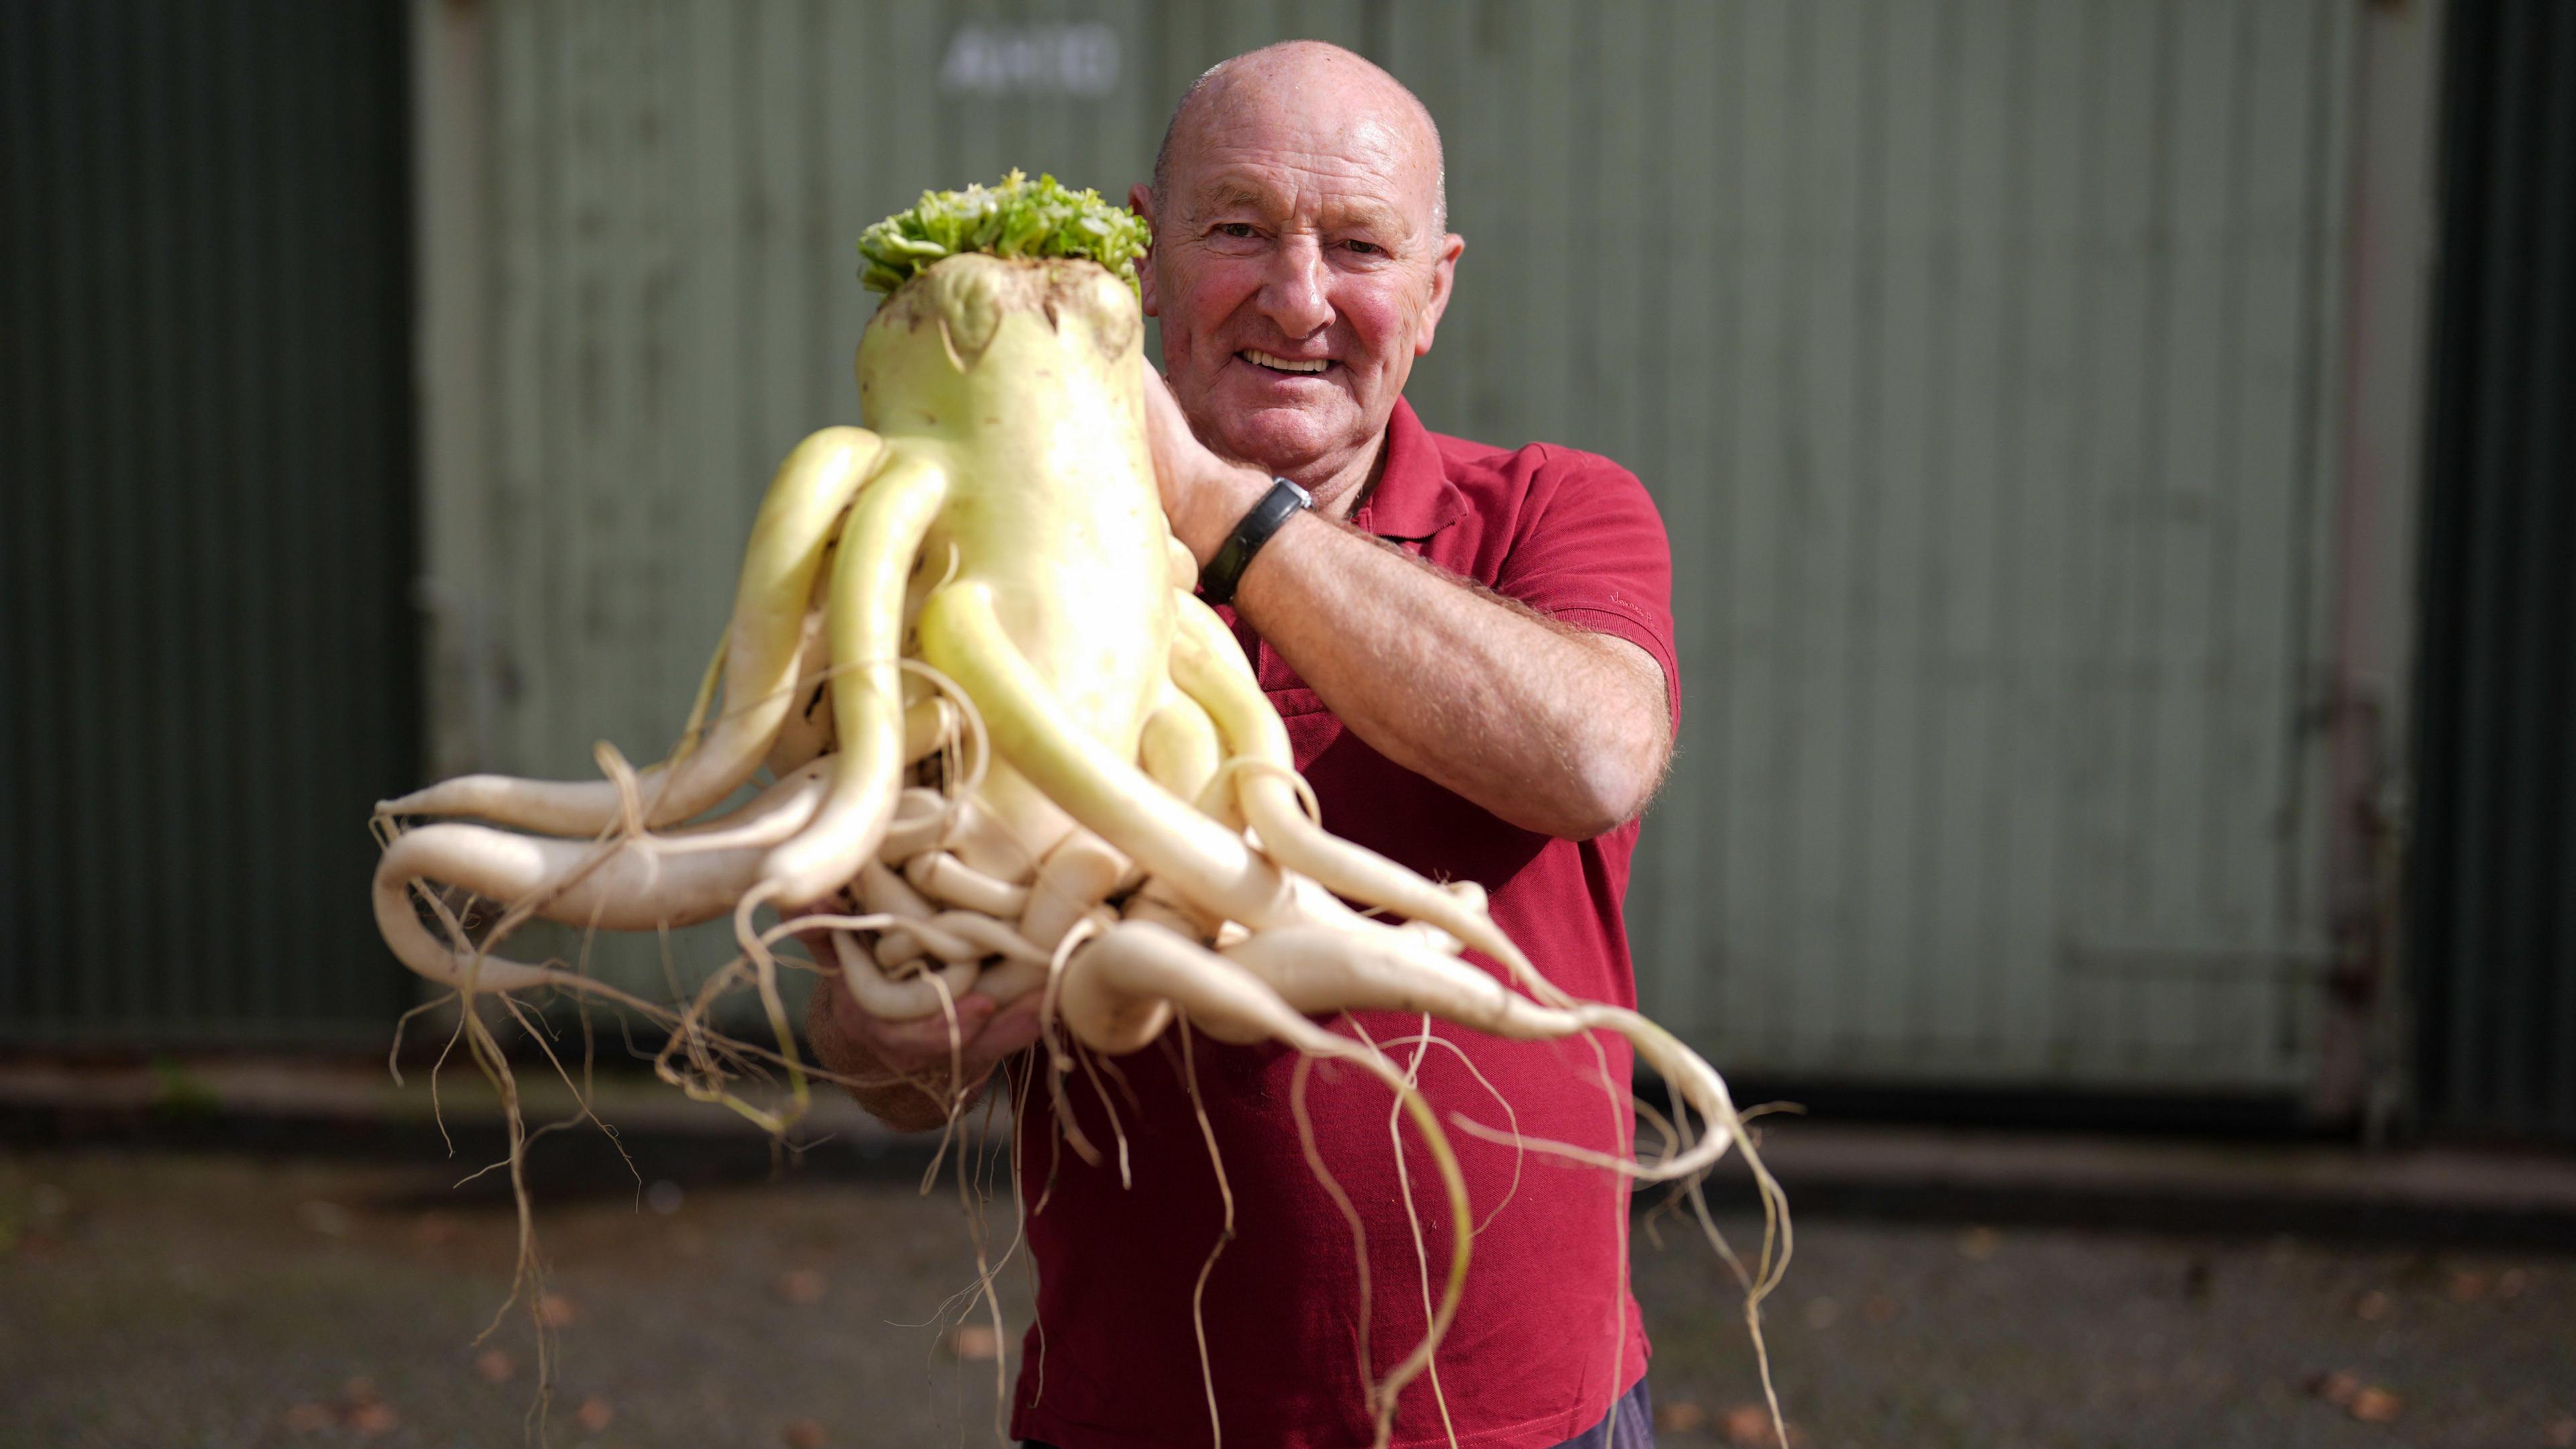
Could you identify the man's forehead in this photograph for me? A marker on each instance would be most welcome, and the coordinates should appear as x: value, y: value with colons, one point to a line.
x: 1358, y: 168
x: 1280, y: 188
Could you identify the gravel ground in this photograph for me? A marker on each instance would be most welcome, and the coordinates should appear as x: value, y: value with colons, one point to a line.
x: 162, y: 1299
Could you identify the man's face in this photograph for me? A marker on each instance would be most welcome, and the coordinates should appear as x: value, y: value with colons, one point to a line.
x: 1296, y: 273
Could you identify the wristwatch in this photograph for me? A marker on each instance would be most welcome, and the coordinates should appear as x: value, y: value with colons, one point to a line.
x: 1225, y: 570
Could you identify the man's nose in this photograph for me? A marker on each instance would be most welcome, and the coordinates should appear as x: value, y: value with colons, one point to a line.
x: 1295, y: 295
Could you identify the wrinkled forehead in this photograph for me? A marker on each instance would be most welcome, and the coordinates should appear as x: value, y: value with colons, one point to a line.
x: 1301, y: 152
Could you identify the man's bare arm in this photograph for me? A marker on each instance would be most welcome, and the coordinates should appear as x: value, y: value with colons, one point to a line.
x: 1550, y: 728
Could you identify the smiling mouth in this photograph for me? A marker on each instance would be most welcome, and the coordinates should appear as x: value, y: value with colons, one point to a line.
x: 1275, y: 363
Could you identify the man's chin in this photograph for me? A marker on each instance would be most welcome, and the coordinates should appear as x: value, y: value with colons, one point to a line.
x: 1285, y: 439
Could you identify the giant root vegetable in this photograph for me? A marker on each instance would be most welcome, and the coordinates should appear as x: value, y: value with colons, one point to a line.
x: 1010, y: 750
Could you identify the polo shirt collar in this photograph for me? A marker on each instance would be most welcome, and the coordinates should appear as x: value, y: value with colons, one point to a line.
x: 1414, y: 497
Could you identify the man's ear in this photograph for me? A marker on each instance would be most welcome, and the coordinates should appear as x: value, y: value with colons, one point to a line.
x: 1444, y: 276
x: 1140, y: 200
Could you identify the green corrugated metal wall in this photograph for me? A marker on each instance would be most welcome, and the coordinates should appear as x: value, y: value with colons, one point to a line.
x: 205, y: 524
x: 1973, y: 350
x: 2494, y: 898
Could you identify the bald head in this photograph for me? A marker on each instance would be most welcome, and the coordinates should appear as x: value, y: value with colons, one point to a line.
x: 1301, y: 259
x: 1310, y: 74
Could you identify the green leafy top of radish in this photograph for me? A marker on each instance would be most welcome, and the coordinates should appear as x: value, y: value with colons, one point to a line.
x: 1017, y: 218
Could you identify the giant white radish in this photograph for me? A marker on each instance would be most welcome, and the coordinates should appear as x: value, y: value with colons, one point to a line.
x: 1020, y: 755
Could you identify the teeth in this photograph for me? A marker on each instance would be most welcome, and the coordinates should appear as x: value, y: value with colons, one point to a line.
x: 1254, y: 354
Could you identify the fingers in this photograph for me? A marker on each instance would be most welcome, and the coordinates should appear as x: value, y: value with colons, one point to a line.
x: 921, y: 1046
x: 1203, y: 495
x: 1010, y: 1028
x: 986, y: 1033
x: 1167, y: 432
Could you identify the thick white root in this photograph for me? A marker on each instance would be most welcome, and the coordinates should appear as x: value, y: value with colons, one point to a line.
x: 628, y: 886
x: 1325, y: 971
x: 762, y: 648
x: 1208, y: 666
x: 885, y: 893
x: 1193, y: 854
x: 1179, y: 750
x: 1080, y: 873
x: 943, y: 877
x: 766, y: 819
x: 887, y: 999
x: 875, y: 557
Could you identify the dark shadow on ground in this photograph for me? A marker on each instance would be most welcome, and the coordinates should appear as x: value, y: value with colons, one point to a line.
x: 582, y: 1163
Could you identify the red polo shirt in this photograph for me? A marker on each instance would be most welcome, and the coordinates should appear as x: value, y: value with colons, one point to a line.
x: 1114, y: 1358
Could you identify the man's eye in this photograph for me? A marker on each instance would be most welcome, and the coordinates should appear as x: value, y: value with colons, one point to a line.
x: 1240, y: 230
x: 1366, y: 249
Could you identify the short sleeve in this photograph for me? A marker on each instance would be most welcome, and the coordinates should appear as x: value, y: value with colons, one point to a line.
x: 1591, y: 551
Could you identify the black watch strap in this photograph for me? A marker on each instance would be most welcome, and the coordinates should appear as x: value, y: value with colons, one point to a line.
x: 1225, y: 570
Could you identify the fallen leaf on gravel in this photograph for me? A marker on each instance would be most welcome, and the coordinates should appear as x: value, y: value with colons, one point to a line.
x: 2562, y: 1433
x: 1680, y: 1416
x: 434, y: 1230
x: 2510, y: 1283
x: 2466, y: 1285
x: 2337, y: 1388
x: 554, y: 1310
x: 1746, y: 1425
x: 1879, y: 1311
x: 974, y: 1342
x: 370, y: 1419
x: 1978, y: 1244
x: 309, y: 1418
x: 801, y: 1285
x: 2371, y: 1306
x: 2375, y: 1405
x: 594, y: 1414
x: 359, y: 1390
x: 802, y: 1434
x: 494, y: 1366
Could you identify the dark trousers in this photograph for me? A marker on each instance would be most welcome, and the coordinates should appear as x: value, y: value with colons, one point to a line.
x: 1630, y: 1424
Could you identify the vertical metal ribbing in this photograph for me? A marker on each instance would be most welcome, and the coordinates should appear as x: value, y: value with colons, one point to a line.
x: 204, y: 540
x: 2494, y: 932
x: 2549, y: 600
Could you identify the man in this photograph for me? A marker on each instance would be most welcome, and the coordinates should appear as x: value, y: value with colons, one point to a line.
x: 1472, y: 651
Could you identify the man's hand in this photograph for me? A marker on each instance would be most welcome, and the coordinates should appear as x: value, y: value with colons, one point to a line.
x: 854, y: 1044
x: 1204, y: 496
x: 1551, y: 728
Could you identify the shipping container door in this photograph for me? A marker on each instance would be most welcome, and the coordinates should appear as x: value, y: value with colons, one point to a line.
x: 205, y: 523
x: 1973, y: 352
x: 2493, y: 949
